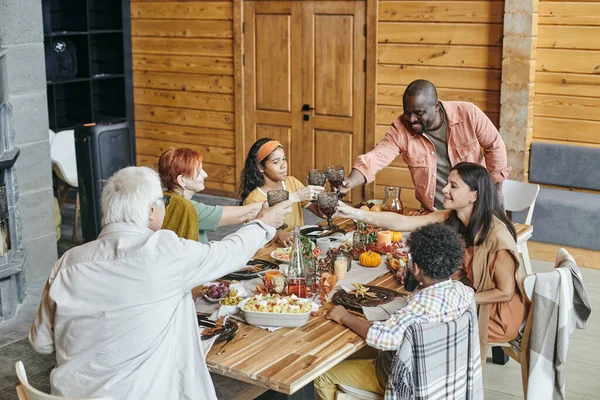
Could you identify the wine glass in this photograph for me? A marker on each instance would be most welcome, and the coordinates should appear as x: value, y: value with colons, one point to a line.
x: 275, y: 197
x: 336, y: 175
x: 328, y: 202
x: 316, y: 177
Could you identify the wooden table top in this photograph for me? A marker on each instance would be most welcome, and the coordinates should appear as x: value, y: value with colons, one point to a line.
x: 290, y: 358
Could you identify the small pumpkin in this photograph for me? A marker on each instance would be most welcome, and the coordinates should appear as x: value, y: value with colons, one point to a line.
x: 396, y: 236
x: 369, y: 259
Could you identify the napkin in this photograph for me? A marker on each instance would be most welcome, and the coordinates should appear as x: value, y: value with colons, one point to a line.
x: 384, y: 311
x: 207, y: 344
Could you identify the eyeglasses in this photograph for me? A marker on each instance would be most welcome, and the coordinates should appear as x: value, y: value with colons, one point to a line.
x: 166, y: 198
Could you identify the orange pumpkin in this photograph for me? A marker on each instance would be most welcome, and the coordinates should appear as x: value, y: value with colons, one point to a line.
x: 369, y: 259
x: 396, y: 236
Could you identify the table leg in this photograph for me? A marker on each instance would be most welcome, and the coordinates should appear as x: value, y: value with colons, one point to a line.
x: 306, y: 393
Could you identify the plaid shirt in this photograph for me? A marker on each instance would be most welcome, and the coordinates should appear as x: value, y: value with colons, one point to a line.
x: 438, y: 362
x: 437, y: 303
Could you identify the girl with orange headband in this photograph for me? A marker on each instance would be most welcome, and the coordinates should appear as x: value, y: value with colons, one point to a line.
x: 266, y: 169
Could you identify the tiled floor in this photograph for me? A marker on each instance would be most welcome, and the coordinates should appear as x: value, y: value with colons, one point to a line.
x: 500, y: 382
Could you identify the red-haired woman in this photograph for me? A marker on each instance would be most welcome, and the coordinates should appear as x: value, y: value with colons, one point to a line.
x: 181, y: 175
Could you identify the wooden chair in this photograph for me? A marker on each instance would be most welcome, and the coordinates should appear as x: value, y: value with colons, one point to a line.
x: 444, y: 351
x: 521, y: 357
x: 519, y: 196
x: 346, y: 392
x: 64, y: 164
x: 27, y: 392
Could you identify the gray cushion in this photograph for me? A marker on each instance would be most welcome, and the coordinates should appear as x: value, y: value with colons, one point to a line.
x: 564, y: 165
x: 567, y: 218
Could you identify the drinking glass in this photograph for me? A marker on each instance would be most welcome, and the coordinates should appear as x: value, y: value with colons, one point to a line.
x: 275, y: 197
x: 316, y: 177
x: 324, y: 244
x: 336, y: 175
x: 328, y: 202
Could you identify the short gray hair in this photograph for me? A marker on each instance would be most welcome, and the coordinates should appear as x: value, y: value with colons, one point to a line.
x: 128, y: 195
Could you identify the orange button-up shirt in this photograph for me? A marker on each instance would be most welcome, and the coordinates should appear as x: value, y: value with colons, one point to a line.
x: 469, y: 130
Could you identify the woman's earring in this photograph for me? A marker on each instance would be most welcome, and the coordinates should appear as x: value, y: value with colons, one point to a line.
x: 472, y: 201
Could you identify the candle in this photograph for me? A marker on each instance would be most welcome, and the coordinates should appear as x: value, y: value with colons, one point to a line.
x: 340, y: 268
x: 384, y: 238
x: 269, y: 275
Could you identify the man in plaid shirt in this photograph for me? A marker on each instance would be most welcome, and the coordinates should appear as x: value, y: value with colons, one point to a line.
x: 437, y: 252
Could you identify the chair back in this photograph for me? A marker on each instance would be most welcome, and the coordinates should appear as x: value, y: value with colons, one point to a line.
x: 519, y: 196
x: 529, y: 285
x: 439, y: 360
x: 27, y: 392
x: 62, y: 154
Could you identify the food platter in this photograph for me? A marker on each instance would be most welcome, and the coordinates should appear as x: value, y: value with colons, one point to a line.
x: 316, y: 232
x: 253, y: 269
x: 228, y: 328
x: 349, y: 300
x: 282, y: 254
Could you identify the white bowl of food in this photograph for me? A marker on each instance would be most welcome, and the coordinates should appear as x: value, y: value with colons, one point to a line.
x: 215, y: 291
x: 230, y: 305
x: 276, y: 310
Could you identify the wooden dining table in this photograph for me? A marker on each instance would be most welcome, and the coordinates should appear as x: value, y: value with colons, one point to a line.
x: 289, y: 359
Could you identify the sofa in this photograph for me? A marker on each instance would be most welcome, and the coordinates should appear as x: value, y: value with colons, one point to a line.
x: 566, y: 217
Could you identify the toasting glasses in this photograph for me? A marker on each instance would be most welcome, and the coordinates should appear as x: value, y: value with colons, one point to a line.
x: 336, y: 175
x: 275, y: 197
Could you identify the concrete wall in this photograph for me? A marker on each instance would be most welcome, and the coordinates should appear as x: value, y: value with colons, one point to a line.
x: 21, y: 33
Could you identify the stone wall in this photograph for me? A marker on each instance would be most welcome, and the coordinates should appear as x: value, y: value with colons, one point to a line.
x: 21, y: 36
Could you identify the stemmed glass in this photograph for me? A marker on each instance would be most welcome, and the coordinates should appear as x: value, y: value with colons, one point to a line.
x: 336, y: 175
x: 328, y: 202
x: 316, y: 177
x: 275, y: 197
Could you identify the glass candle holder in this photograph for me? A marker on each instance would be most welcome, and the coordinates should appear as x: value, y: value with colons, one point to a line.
x: 274, y: 282
x: 341, y: 264
x: 359, y: 244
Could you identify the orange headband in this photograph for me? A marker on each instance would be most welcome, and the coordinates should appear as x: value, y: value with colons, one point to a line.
x: 267, y: 149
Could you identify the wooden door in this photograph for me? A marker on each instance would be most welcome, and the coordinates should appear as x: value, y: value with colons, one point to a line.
x: 309, y: 53
x: 273, y: 75
x: 334, y: 85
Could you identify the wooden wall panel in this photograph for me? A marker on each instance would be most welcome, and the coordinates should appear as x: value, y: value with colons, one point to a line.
x: 182, y: 54
x: 455, y: 44
x: 567, y: 87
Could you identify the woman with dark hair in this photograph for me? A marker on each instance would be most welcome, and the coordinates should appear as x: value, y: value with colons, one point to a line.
x: 266, y: 169
x: 181, y: 176
x: 491, y: 264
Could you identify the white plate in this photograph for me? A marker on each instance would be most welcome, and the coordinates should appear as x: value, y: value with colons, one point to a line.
x: 275, y: 254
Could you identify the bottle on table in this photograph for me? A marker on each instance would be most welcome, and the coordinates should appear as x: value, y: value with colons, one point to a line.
x: 296, y: 279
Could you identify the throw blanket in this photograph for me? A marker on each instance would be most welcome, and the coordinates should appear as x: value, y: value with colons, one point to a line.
x: 438, y: 361
x: 560, y: 305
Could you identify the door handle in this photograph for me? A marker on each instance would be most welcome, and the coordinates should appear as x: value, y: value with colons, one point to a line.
x: 307, y: 107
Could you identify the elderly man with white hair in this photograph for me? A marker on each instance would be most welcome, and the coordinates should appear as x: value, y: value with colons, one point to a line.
x: 118, y: 311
